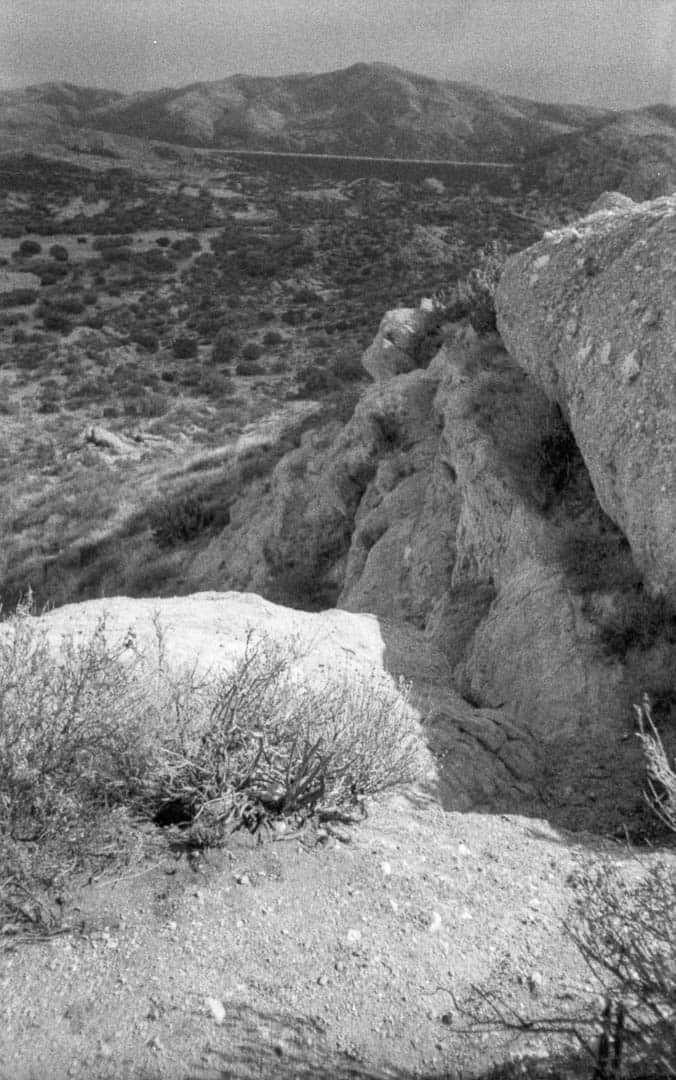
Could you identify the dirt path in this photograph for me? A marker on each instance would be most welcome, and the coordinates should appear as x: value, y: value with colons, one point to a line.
x: 307, y: 958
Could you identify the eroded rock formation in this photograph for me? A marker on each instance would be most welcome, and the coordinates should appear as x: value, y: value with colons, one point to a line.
x: 515, y: 505
x: 590, y: 314
x: 505, y: 516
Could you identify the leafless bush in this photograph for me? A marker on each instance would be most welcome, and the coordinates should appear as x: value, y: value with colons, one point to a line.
x: 661, y: 775
x: 274, y: 743
x: 626, y: 931
x: 97, y: 735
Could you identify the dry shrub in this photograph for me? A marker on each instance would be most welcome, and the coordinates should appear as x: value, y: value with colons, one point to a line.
x: 99, y: 736
x: 272, y: 742
x: 626, y: 931
x: 476, y: 294
x: 661, y: 775
x: 77, y: 736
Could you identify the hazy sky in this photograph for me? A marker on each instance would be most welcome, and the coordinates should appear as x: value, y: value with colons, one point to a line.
x: 617, y: 53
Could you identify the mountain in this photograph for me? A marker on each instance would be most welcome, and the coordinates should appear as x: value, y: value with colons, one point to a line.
x: 369, y: 109
x: 633, y: 152
x: 568, y: 151
x: 54, y: 103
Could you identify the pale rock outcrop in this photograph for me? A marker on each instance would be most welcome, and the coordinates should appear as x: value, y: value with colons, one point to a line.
x: 341, y: 517
x: 399, y: 345
x: 590, y: 314
x: 456, y: 502
x: 509, y: 621
x: 483, y: 760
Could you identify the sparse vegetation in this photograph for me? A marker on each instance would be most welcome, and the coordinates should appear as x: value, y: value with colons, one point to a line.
x: 625, y: 931
x: 475, y: 295
x: 100, y: 735
x: 180, y: 518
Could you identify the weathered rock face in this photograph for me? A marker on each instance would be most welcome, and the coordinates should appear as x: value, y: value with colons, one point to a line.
x: 590, y: 314
x: 508, y: 507
x: 399, y: 344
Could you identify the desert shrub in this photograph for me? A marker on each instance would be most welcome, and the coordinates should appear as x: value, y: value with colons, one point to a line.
x: 150, y: 404
x: 179, y: 518
x: 186, y: 246
x: 661, y: 792
x: 117, y: 254
x: 18, y: 297
x: 145, y: 338
x: 275, y: 744
x: 50, y: 272
x: 348, y: 367
x: 626, y: 934
x: 70, y: 305
x: 248, y: 368
x: 59, y: 252
x: 313, y: 381
x: 102, y: 733
x: 475, y: 296
x: 251, y: 351
x: 29, y: 248
x: 184, y: 347
x: 216, y: 384
x: 57, y: 322
x: 225, y: 347
x: 74, y: 742
x: 624, y: 929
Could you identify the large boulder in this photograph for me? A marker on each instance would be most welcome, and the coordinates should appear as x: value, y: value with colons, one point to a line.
x: 590, y: 314
x: 456, y: 506
x: 483, y: 760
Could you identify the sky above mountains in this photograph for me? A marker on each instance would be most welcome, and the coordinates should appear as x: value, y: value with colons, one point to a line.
x: 611, y: 53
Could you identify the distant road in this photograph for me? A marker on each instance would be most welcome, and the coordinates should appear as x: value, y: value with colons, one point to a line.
x: 352, y: 157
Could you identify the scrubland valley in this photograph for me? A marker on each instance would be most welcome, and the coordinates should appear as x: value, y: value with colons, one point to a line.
x: 337, y: 503
x: 177, y: 309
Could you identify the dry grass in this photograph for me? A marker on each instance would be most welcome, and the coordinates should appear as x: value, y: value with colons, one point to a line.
x: 99, y: 740
x: 625, y: 931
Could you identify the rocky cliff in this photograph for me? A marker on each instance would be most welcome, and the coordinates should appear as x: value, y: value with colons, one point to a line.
x: 512, y: 498
x: 502, y: 506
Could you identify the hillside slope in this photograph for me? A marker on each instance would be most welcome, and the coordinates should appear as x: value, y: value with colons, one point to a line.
x: 364, y: 109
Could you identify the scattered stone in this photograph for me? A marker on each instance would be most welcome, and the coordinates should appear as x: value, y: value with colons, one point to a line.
x: 215, y: 1007
x: 630, y: 368
x: 435, y: 923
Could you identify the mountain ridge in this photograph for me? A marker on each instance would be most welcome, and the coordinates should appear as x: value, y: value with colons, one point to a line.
x: 365, y: 108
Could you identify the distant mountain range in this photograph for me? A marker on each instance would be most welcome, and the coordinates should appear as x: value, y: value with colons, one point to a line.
x: 368, y: 109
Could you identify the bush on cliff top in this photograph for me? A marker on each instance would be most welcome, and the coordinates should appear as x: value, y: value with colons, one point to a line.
x: 102, y: 735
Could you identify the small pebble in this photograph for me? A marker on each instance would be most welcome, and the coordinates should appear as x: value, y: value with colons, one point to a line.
x: 216, y: 1009
x: 435, y: 923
